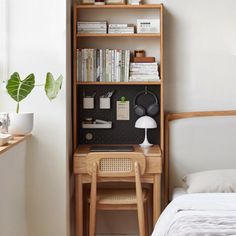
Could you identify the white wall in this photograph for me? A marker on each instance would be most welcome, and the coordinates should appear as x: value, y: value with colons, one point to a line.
x: 200, y: 55
x: 13, y: 191
x: 37, y: 43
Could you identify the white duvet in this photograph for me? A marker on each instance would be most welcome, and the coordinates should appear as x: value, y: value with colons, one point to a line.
x: 205, y: 214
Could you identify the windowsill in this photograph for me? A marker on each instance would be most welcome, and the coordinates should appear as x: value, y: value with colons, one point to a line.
x: 16, y: 140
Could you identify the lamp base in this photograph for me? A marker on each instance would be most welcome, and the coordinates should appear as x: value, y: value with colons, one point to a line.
x: 145, y: 143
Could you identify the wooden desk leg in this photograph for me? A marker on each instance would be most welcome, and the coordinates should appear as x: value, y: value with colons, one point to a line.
x: 156, y: 198
x: 79, y: 205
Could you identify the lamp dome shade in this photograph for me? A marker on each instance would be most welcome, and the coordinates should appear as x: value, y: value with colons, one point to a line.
x: 145, y: 122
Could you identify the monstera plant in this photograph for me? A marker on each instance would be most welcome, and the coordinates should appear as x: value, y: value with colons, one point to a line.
x: 18, y: 89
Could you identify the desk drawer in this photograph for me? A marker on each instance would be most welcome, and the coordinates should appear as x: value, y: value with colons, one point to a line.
x: 153, y: 165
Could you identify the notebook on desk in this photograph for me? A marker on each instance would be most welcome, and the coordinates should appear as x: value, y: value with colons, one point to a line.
x: 111, y: 149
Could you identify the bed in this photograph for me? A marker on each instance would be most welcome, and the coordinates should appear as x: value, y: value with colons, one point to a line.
x: 200, y: 175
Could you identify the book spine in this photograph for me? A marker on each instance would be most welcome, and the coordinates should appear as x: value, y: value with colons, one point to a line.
x: 127, y: 65
x: 104, y: 64
x: 113, y: 65
x: 107, y: 65
x: 89, y: 66
x: 79, y: 64
x: 97, y: 65
x: 116, y: 65
x: 91, y: 26
x: 101, y: 66
x: 94, y: 65
x: 138, y: 64
x: 114, y: 26
x: 122, y: 78
x: 119, y: 66
x: 84, y: 75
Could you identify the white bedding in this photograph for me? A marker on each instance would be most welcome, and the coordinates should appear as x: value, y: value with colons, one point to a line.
x: 203, y: 214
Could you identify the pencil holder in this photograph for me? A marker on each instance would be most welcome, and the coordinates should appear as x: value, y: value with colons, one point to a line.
x: 88, y: 102
x: 105, y: 103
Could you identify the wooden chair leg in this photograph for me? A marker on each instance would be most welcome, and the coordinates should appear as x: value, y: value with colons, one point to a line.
x: 146, y: 219
x: 139, y: 195
x: 93, y: 200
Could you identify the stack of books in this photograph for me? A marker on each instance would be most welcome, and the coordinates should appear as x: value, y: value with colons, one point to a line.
x: 144, y: 72
x: 92, y: 27
x: 103, y: 65
x: 121, y: 29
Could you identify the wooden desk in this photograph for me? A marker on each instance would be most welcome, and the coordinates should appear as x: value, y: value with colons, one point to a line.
x: 152, y: 176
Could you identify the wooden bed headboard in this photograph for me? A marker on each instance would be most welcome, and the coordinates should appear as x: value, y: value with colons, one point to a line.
x: 197, y: 141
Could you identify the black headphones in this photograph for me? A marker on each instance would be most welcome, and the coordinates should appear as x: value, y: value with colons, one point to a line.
x: 152, y: 109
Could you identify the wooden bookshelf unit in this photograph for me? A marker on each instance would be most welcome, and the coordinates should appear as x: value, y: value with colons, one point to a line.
x: 87, y: 40
x: 123, y: 132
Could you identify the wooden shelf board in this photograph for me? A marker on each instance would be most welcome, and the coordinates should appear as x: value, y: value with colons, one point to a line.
x: 125, y: 6
x: 121, y: 83
x: 118, y: 35
x: 16, y: 140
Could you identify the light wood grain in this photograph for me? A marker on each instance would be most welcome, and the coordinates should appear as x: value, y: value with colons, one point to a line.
x: 145, y: 6
x: 154, y: 150
x: 140, y: 207
x: 121, y: 83
x: 93, y: 201
x: 156, y: 198
x: 79, y: 205
x: 75, y: 91
x: 117, y: 35
x: 12, y: 143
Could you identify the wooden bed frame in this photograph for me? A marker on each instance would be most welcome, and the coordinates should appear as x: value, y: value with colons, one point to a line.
x: 175, y: 116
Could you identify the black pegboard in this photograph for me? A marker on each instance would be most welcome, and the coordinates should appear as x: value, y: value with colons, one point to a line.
x: 122, y: 132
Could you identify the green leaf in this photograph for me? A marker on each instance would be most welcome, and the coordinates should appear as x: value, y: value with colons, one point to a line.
x: 52, y: 87
x: 19, y: 89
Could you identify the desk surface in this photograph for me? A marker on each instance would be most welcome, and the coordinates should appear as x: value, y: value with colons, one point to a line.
x: 154, y: 151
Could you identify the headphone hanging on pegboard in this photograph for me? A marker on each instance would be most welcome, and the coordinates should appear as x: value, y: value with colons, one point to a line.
x: 151, y: 110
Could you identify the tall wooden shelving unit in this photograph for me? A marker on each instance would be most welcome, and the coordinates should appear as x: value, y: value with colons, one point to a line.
x: 78, y: 9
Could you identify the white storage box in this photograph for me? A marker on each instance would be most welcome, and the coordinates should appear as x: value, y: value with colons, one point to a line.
x: 148, y: 26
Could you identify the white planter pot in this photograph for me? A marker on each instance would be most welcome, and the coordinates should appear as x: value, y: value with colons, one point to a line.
x: 20, y: 123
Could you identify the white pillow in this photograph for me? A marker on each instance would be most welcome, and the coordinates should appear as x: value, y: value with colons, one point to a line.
x: 212, y: 181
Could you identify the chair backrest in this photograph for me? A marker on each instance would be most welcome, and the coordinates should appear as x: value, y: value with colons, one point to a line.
x: 115, y: 164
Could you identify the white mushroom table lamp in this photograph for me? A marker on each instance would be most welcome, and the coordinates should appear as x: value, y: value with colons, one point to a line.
x: 145, y: 122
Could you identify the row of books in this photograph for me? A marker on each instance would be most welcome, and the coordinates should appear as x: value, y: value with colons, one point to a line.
x: 144, y: 72
x: 101, y: 28
x: 103, y: 65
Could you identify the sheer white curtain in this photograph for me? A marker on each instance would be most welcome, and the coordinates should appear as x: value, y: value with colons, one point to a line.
x: 3, y: 40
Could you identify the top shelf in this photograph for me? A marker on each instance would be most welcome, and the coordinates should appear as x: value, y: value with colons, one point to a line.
x: 125, y: 6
